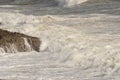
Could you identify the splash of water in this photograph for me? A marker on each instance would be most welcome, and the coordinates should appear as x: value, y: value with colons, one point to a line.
x: 68, y: 3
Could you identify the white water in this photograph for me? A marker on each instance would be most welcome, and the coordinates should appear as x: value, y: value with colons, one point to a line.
x: 68, y: 3
x: 74, y: 46
x: 65, y: 49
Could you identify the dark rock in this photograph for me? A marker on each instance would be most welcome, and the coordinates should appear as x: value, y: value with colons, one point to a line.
x: 0, y: 23
x: 12, y: 42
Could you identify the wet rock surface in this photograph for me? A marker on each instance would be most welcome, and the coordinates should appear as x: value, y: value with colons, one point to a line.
x: 12, y: 42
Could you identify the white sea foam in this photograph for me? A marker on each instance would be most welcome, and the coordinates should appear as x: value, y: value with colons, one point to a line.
x: 83, y: 46
x: 68, y: 3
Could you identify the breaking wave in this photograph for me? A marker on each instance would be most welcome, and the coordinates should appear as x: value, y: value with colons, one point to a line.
x: 66, y: 45
x: 66, y: 3
x: 62, y: 42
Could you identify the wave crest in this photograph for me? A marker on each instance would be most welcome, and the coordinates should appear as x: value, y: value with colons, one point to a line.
x: 68, y: 3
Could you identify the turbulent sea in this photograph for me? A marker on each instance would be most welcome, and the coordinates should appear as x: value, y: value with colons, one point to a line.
x: 80, y: 39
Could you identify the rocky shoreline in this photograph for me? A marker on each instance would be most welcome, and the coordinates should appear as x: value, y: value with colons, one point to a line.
x: 11, y: 42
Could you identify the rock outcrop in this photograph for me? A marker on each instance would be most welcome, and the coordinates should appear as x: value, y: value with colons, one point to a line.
x: 11, y: 42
